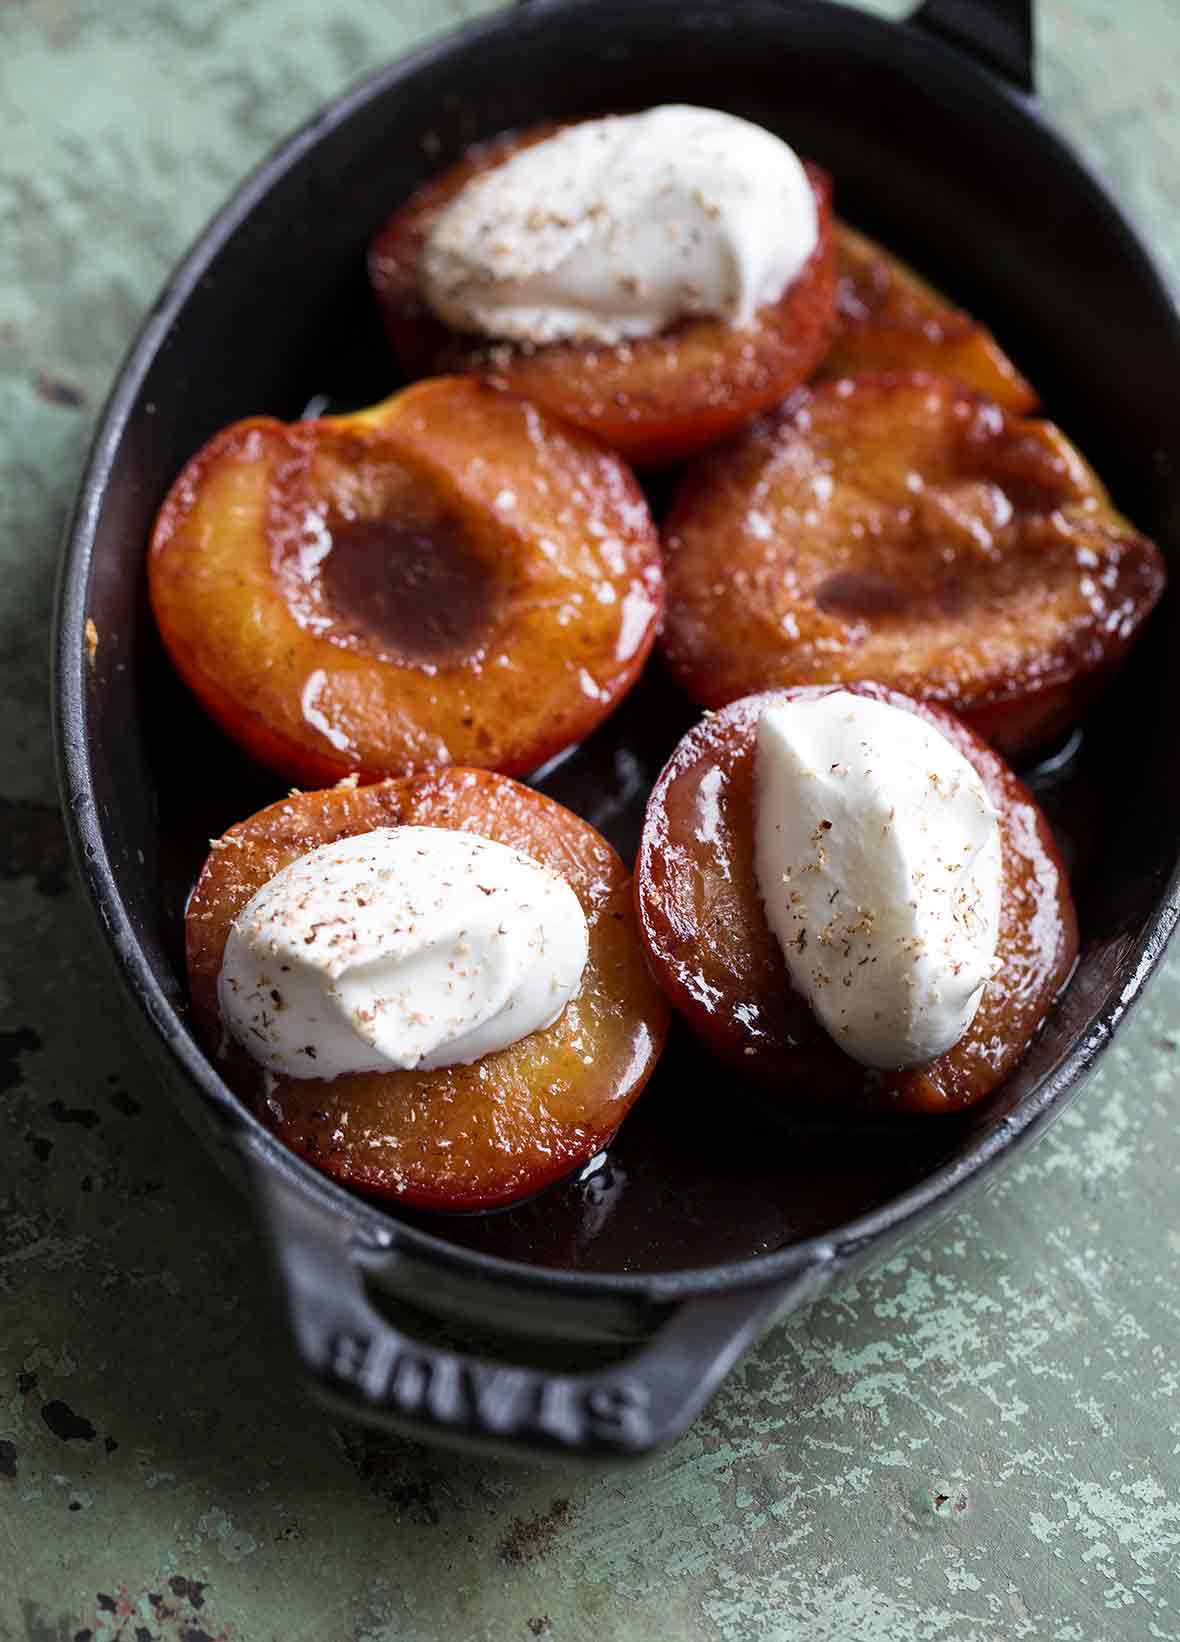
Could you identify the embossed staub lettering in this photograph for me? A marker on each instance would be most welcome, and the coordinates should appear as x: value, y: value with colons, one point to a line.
x: 487, y: 1398
x: 498, y: 1396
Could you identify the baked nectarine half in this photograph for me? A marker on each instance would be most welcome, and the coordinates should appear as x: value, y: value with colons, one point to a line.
x: 887, y: 318
x: 654, y: 399
x: 456, y: 1138
x: 904, y: 529
x: 714, y: 955
x: 451, y: 577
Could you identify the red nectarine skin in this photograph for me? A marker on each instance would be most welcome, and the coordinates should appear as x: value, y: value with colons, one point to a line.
x: 460, y: 1137
x: 714, y: 955
x: 904, y: 529
x: 451, y: 577
x: 888, y: 319
x: 656, y: 399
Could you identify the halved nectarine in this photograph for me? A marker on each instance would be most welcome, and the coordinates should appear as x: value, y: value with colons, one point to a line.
x: 903, y: 529
x: 456, y: 1138
x: 450, y: 577
x: 887, y: 318
x: 714, y: 955
x: 655, y: 399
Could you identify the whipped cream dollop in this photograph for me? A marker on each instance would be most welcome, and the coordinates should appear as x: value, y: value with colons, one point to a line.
x: 617, y: 227
x: 877, y: 853
x: 402, y: 947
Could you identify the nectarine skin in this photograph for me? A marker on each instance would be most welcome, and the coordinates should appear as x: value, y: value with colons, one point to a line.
x: 889, y: 319
x: 715, y: 957
x: 899, y: 527
x: 450, y: 577
x: 655, y: 399
x: 458, y: 1138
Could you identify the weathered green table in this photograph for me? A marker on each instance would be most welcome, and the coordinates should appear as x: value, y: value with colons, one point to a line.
x: 982, y: 1440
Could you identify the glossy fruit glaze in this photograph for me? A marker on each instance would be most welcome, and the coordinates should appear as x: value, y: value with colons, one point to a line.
x: 656, y: 399
x: 451, y: 577
x: 460, y: 1137
x: 889, y: 319
x: 714, y: 955
x: 899, y: 527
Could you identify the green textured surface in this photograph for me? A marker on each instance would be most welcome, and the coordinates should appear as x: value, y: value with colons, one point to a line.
x: 980, y: 1440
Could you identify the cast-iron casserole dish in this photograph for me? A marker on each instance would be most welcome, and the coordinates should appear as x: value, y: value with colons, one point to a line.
x: 670, y: 1249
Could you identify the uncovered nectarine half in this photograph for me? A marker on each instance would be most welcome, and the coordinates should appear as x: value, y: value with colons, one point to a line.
x: 904, y: 529
x: 888, y: 318
x: 451, y: 577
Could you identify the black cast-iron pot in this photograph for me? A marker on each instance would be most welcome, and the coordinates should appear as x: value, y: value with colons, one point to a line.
x: 706, y: 1218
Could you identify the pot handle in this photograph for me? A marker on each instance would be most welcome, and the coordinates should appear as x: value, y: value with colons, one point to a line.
x: 999, y: 34
x: 363, y: 1366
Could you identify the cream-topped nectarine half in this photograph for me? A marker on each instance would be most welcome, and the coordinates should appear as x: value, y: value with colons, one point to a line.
x: 713, y: 952
x: 460, y: 1137
x: 655, y: 399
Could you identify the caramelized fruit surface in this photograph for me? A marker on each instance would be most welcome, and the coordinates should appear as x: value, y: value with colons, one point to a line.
x: 903, y: 529
x: 655, y: 399
x: 459, y: 1137
x: 715, y: 957
x: 887, y: 318
x: 450, y: 577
